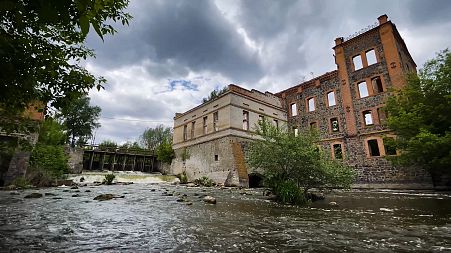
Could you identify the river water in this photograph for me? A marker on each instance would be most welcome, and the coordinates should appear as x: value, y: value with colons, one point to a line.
x: 147, y: 220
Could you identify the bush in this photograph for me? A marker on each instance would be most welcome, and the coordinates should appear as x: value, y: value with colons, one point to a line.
x: 21, y: 182
x: 204, y: 181
x: 183, y: 178
x: 109, y: 179
x: 51, y: 160
x: 287, y: 191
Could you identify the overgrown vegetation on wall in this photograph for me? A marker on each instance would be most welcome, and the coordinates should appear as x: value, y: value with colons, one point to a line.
x: 419, y: 114
x: 294, y: 164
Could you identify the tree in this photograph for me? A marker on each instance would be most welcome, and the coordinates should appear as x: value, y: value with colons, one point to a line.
x: 152, y: 138
x: 80, y: 119
x: 215, y: 94
x: 52, y: 133
x: 419, y: 114
x: 294, y: 164
x: 165, y: 153
x: 41, y: 48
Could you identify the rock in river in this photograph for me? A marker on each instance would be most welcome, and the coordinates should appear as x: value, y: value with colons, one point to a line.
x: 107, y: 196
x: 209, y: 200
x: 34, y: 195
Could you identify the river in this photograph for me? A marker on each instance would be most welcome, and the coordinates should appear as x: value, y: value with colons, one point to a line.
x: 146, y: 219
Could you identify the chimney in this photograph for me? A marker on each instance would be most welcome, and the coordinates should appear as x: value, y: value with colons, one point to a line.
x: 383, y: 19
x: 338, y: 41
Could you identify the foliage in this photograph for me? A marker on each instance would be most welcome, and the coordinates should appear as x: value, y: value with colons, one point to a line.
x: 51, y: 159
x: 108, y: 145
x: 131, y: 145
x: 165, y: 153
x: 52, y: 133
x: 183, y: 178
x: 80, y: 119
x: 204, y: 181
x: 294, y: 164
x: 42, y: 45
x: 215, y: 94
x: 109, y: 179
x: 21, y: 182
x: 419, y: 114
x: 185, y: 155
x: 153, y: 137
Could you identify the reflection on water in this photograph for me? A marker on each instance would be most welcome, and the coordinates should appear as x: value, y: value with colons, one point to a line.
x: 147, y: 220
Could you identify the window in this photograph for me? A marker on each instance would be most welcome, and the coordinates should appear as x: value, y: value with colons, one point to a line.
x: 296, y: 131
x: 377, y: 85
x: 368, y: 118
x: 294, y: 111
x: 363, y: 89
x: 311, y: 104
x: 334, y: 126
x: 357, y: 60
x: 205, y: 125
x: 381, y: 115
x: 185, y: 132
x: 389, y: 146
x: 193, y: 124
x: 371, y: 57
x: 261, y: 118
x: 216, y: 158
x: 331, y: 98
x: 245, y: 120
x: 215, y: 121
x: 314, y: 125
x: 276, y: 123
x: 338, y: 152
x: 373, y: 148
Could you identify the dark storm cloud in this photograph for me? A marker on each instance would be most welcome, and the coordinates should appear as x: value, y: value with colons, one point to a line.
x: 191, y: 34
x: 429, y: 12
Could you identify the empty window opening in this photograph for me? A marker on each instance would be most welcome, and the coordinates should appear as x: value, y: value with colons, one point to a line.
x: 373, y: 148
x: 245, y: 120
x: 368, y: 118
x: 261, y: 118
x: 294, y: 110
x: 334, y: 126
x: 377, y: 85
x: 371, y: 57
x: 255, y: 180
x: 311, y: 104
x: 331, y: 98
x: 389, y: 146
x: 357, y: 60
x: 205, y: 125
x: 193, y: 125
x: 382, y: 115
x: 296, y: 131
x: 338, y: 151
x: 314, y: 125
x: 276, y: 123
x: 216, y: 158
x: 363, y: 89
x: 215, y: 121
x: 185, y: 132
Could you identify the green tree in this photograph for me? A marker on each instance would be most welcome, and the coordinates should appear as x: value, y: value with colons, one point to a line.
x: 80, y: 119
x: 152, y: 138
x: 294, y: 164
x: 215, y: 94
x: 165, y: 153
x: 52, y: 133
x: 108, y: 145
x: 41, y: 48
x: 419, y: 114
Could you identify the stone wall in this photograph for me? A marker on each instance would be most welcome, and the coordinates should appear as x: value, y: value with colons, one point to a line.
x: 75, y: 160
x: 17, y: 167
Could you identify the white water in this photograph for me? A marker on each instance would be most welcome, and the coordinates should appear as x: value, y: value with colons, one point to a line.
x: 123, y: 177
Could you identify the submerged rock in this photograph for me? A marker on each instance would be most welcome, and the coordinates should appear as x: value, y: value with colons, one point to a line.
x: 49, y: 194
x: 34, y: 195
x: 74, y: 187
x: 107, y: 196
x: 189, y: 203
x: 76, y: 195
x: 333, y: 203
x: 88, y: 191
x: 209, y: 200
x: 14, y: 193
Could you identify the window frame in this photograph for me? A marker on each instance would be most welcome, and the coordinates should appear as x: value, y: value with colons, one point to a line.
x: 295, y: 111
x: 215, y: 121
x: 353, y: 62
x: 246, y: 120
x: 331, y: 125
x: 359, y: 91
x: 370, y: 112
x: 375, y: 56
x: 308, y: 103
x: 327, y: 98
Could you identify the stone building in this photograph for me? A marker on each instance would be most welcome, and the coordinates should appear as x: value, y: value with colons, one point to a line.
x: 208, y: 139
x: 345, y: 105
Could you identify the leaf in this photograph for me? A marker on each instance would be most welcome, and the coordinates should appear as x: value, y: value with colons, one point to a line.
x: 97, y: 29
x: 84, y: 25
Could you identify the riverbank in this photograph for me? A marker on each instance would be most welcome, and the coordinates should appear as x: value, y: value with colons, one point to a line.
x: 150, y: 218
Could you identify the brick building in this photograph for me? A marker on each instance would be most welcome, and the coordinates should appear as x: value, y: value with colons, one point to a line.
x: 346, y: 107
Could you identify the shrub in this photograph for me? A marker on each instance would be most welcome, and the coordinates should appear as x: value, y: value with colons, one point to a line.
x: 51, y: 160
x: 109, y: 179
x: 183, y: 178
x: 21, y: 182
x: 204, y: 181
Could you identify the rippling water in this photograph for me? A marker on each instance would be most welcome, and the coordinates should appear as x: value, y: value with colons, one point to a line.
x: 146, y: 220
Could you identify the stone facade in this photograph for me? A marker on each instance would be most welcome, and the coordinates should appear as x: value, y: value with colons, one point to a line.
x: 75, y: 161
x: 345, y: 105
x: 209, y: 139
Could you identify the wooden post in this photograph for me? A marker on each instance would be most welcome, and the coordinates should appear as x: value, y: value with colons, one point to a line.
x: 134, y: 162
x: 114, y: 162
x: 124, y: 161
x: 102, y: 160
x: 91, y: 158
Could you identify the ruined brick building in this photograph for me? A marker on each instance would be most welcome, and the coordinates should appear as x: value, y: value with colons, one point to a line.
x: 345, y: 105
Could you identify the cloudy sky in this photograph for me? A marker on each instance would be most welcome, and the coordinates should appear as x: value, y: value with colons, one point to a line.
x: 175, y: 52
